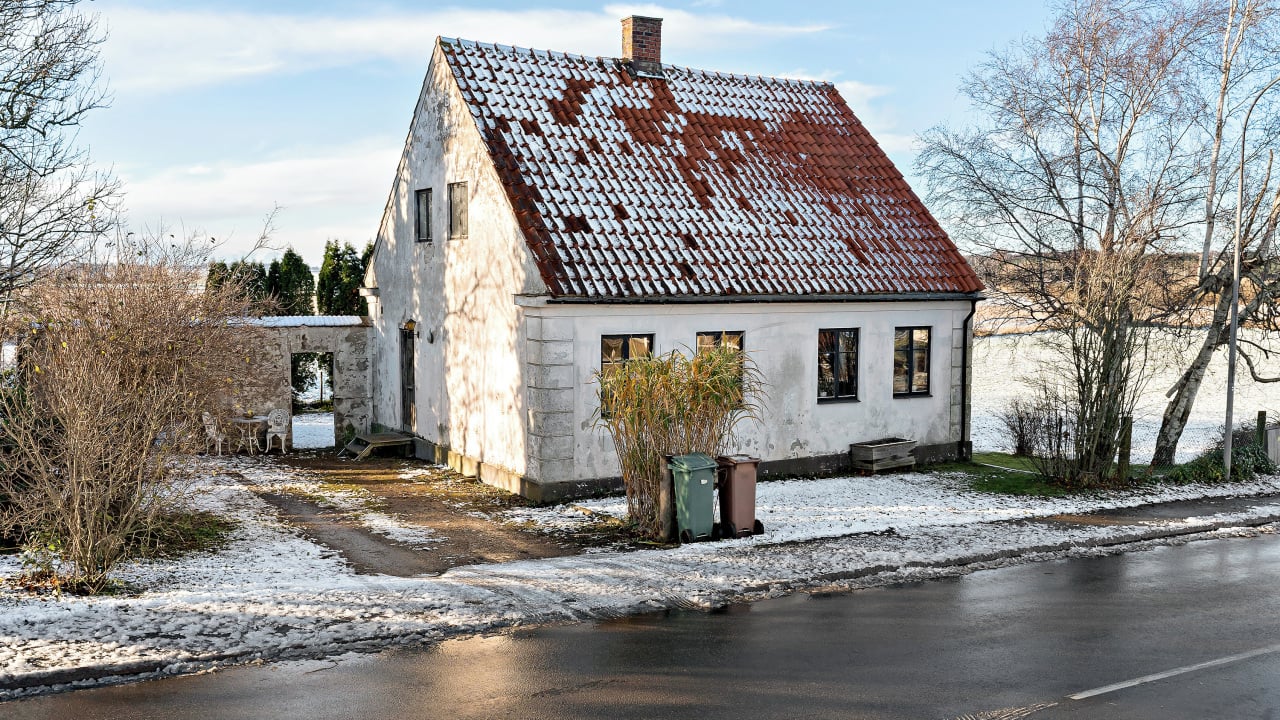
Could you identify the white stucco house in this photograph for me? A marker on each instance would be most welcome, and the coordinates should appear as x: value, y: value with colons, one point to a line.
x: 553, y: 212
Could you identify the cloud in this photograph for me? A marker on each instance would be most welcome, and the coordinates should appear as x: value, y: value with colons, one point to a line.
x: 858, y: 94
x: 150, y: 50
x: 332, y: 193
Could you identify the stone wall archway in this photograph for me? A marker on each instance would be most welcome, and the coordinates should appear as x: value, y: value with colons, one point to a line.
x: 346, y: 336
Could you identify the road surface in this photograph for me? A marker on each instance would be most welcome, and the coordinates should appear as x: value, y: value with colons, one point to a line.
x: 1178, y: 632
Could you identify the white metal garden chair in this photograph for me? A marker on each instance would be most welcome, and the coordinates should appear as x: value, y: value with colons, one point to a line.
x: 214, y: 437
x: 278, y: 427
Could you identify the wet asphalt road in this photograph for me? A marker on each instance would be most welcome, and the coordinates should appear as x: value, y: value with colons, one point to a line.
x: 1007, y: 643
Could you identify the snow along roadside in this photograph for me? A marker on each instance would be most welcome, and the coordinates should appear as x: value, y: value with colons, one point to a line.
x: 271, y: 594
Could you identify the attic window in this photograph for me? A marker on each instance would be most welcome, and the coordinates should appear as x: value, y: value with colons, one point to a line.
x: 422, y: 215
x: 458, y: 200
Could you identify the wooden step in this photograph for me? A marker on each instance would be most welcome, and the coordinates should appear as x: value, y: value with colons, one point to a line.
x: 363, y: 444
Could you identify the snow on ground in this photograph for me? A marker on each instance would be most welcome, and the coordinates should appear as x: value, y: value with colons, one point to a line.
x: 355, y: 503
x: 994, y: 385
x: 313, y: 430
x: 806, y: 509
x: 272, y: 594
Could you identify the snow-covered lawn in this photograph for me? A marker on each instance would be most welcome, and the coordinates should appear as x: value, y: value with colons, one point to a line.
x: 795, y: 510
x: 313, y: 430
x: 270, y: 593
x: 1004, y: 367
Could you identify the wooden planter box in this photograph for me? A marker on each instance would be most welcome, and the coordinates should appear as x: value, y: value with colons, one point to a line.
x: 883, y: 454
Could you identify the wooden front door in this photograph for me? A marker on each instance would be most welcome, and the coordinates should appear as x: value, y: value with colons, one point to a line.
x: 408, y: 406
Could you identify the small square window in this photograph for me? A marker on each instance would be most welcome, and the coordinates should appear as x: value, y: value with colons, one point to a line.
x: 911, y: 361
x: 838, y: 364
x: 616, y: 350
x: 422, y: 215
x: 724, y: 338
x: 458, y: 199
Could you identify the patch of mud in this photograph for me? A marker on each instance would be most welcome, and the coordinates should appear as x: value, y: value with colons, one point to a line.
x: 461, y: 513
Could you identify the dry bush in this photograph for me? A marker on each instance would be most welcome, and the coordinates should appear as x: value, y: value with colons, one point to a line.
x: 118, y: 360
x: 673, y: 404
x: 1021, y: 421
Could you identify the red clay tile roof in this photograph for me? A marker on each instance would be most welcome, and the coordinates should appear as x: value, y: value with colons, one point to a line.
x: 700, y: 185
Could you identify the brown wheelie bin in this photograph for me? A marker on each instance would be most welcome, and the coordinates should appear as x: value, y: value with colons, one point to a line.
x: 738, y: 496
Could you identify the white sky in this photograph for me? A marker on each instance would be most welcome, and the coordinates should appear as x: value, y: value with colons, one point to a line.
x: 222, y: 110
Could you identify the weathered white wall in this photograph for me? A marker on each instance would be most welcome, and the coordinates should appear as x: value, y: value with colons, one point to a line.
x: 268, y: 387
x: 781, y: 338
x: 459, y: 291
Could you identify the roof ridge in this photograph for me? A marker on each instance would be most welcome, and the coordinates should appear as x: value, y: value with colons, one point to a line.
x: 559, y: 54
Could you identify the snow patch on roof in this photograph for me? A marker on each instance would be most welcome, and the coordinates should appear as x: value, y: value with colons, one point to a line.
x: 700, y: 185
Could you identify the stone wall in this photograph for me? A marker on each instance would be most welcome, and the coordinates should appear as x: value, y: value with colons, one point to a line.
x: 267, y: 385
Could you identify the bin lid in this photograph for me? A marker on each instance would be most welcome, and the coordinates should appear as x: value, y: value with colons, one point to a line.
x: 737, y: 459
x: 692, y: 461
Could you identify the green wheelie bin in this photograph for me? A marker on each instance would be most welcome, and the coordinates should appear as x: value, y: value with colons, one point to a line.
x: 694, y: 479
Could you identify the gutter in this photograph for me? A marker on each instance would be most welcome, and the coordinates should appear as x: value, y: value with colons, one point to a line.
x: 964, y: 446
x: 727, y: 299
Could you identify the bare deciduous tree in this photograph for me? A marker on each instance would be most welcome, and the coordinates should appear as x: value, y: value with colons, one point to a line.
x: 1229, y: 69
x: 122, y: 356
x: 1108, y: 143
x: 51, y: 204
x: 1074, y: 187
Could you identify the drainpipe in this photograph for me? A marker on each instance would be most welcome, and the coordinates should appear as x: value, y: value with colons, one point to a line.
x: 964, y: 446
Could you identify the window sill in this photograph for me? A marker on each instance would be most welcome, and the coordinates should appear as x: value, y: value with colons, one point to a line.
x: 912, y: 395
x: 836, y: 400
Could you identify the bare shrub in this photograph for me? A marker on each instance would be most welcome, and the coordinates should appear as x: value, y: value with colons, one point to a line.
x: 669, y: 404
x: 1020, y: 421
x: 119, y: 359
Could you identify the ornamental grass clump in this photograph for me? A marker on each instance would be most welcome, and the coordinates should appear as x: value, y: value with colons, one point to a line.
x: 655, y: 406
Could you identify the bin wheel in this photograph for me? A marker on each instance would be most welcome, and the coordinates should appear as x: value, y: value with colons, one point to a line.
x: 686, y: 536
x: 729, y: 530
x: 717, y: 531
x: 757, y: 528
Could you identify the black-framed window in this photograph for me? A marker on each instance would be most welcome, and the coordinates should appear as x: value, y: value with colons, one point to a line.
x: 458, y: 200
x: 838, y: 364
x: 911, y: 360
x: 615, y: 350
x: 722, y: 338
x: 422, y: 215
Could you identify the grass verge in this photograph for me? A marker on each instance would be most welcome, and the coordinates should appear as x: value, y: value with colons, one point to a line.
x: 1002, y: 474
x: 184, y: 532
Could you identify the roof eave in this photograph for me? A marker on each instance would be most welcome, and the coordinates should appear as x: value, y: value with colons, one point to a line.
x: 723, y: 299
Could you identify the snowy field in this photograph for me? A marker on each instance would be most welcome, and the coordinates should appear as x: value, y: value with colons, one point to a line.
x: 313, y: 430
x: 270, y: 593
x: 1002, y: 364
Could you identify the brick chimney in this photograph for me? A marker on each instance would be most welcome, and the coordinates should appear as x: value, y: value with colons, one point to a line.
x: 642, y: 45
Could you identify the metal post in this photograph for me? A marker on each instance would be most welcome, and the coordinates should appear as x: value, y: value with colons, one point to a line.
x: 1235, y: 286
x: 1126, y: 449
